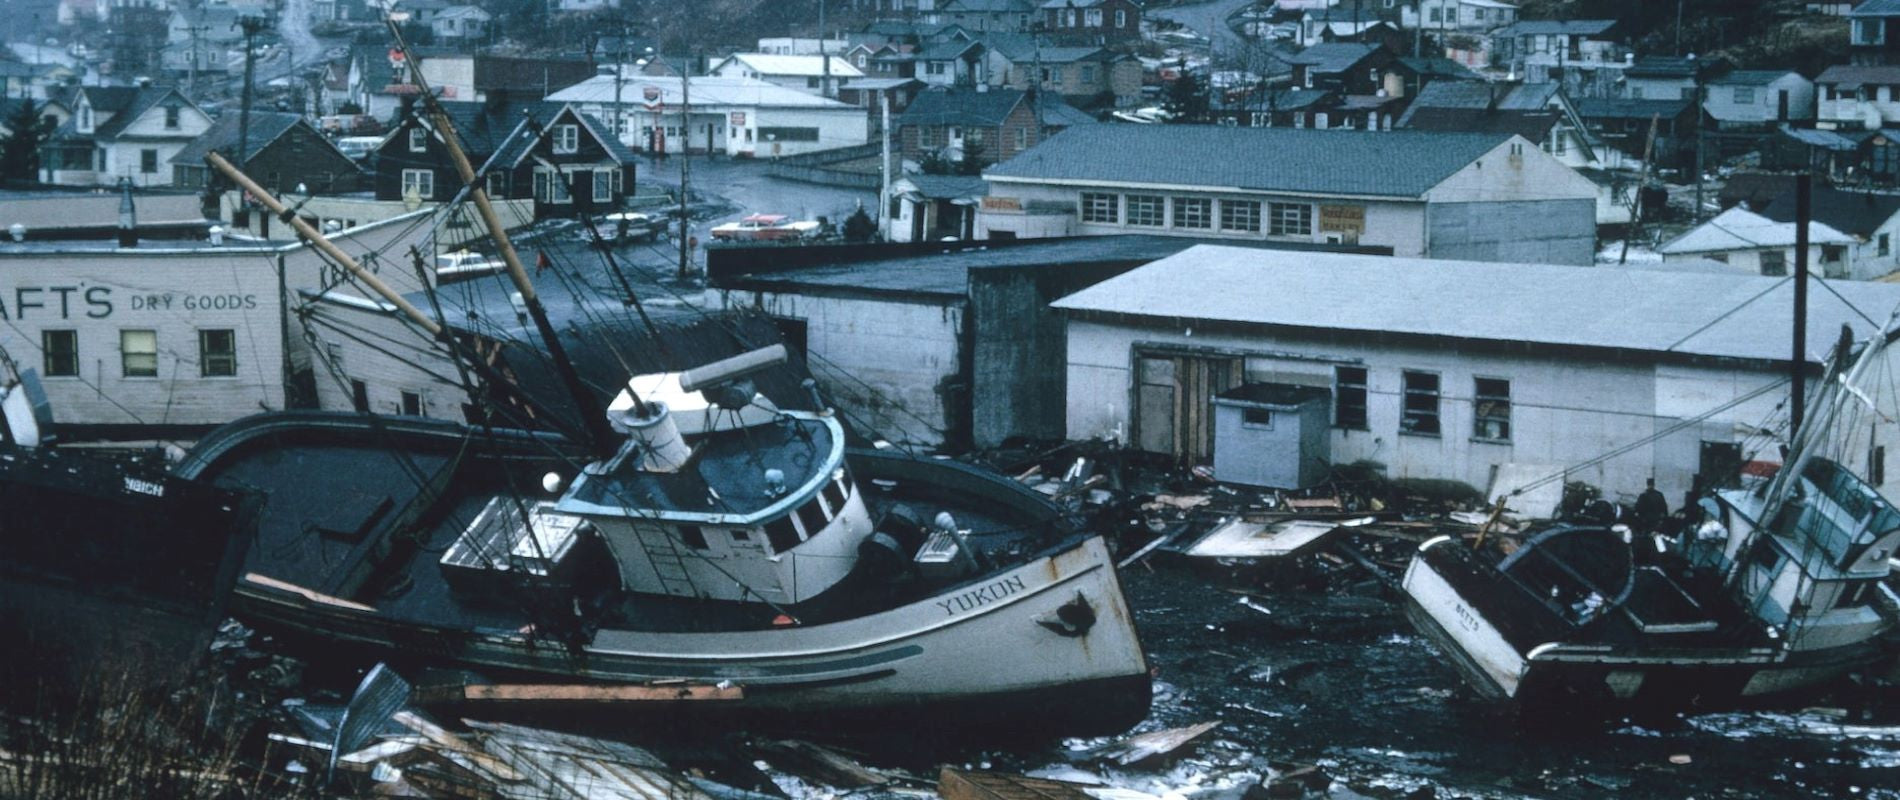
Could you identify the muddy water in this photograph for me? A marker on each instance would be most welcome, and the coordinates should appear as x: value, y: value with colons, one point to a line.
x: 1340, y: 681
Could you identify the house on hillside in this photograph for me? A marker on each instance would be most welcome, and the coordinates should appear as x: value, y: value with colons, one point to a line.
x: 282, y: 153
x: 953, y: 62
x: 1087, y: 77
x: 1845, y: 158
x: 1858, y: 97
x: 991, y: 126
x: 1873, y: 35
x: 590, y: 171
x: 983, y: 16
x: 1759, y: 99
x: 1625, y: 125
x: 1278, y: 108
x: 1347, y: 68
x: 119, y: 133
x: 1488, y: 196
x: 1092, y: 21
x: 1459, y: 16
x: 1585, y: 55
x: 1660, y: 78
x: 1873, y: 220
x: 461, y: 23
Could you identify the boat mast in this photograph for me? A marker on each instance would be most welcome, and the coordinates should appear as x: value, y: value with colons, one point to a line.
x: 593, y: 418
x: 1798, y: 361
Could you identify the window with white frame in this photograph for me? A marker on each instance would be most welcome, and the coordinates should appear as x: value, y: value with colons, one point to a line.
x: 420, y: 182
x: 1420, y: 409
x: 1093, y: 18
x: 418, y: 139
x: 1147, y: 210
x: 1290, y: 219
x: 1121, y: 18
x: 1240, y: 216
x: 217, y: 353
x: 1491, y: 409
x: 567, y: 139
x: 1193, y: 212
x: 1744, y: 95
x: 603, y: 185
x: 138, y: 353
x: 1101, y: 207
x: 550, y: 186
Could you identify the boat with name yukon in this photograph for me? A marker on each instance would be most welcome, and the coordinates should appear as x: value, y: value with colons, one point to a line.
x: 1775, y: 586
x: 726, y: 541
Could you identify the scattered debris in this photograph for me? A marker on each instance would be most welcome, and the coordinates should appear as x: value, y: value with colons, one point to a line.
x: 955, y: 784
x: 817, y: 764
x: 1240, y: 538
x: 1144, y: 746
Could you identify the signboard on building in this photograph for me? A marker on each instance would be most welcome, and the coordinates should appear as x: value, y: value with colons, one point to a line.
x: 1010, y: 204
x: 1343, y: 219
x: 737, y: 119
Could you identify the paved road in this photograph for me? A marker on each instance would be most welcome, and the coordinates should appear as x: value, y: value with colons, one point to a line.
x: 1210, y: 20
x: 745, y: 188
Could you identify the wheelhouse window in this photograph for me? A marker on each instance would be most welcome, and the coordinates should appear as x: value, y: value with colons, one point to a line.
x: 61, y: 348
x: 782, y: 535
x: 835, y: 492
x: 811, y: 515
x: 1146, y: 210
x: 138, y: 353
x: 1421, y: 404
x: 1290, y: 219
x: 217, y: 353
x: 693, y: 537
x: 1101, y: 207
x: 1491, y: 409
x: 1240, y: 216
x: 1349, y: 397
x: 1193, y: 212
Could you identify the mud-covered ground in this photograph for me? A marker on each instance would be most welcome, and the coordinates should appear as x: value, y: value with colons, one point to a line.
x: 1338, y: 679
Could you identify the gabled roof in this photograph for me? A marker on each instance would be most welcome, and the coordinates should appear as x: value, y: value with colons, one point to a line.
x: 1858, y: 213
x: 1741, y: 229
x: 1854, y: 76
x: 947, y: 50
x: 1623, y: 108
x: 802, y: 66
x: 1332, y: 57
x: 1550, y: 27
x: 1443, y: 68
x: 222, y: 136
x: 1271, y: 100
x: 961, y: 107
x: 1876, y: 8
x: 1532, y: 125
x: 1752, y: 77
x: 141, y: 102
x: 989, y: 6
x: 1682, y: 314
x: 1383, y: 164
x: 484, y: 127
x: 1070, y: 55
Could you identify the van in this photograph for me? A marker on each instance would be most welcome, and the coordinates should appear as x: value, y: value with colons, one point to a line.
x: 358, y: 147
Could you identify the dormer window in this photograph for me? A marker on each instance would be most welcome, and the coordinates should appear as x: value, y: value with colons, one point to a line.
x: 171, y: 118
x: 418, y: 139
x: 85, y: 118
x: 567, y: 139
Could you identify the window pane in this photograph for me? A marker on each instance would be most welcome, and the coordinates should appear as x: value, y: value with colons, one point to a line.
x: 812, y: 516
x: 1421, y: 404
x: 1349, y: 397
x: 781, y: 534
x: 139, y: 353
x: 1491, y: 408
x: 62, y: 352
x: 217, y: 353
x: 1290, y: 219
x: 1101, y: 207
x: 1145, y: 209
x: 1193, y: 212
x: 1240, y: 215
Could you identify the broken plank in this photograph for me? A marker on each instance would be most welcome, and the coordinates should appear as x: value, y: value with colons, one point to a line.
x: 819, y: 764
x: 1142, y: 747
x: 440, y: 739
x: 956, y: 784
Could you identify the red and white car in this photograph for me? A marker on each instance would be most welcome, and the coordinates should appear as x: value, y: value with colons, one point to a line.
x: 765, y: 228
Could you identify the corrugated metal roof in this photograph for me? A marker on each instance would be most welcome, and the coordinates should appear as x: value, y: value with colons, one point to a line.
x: 1341, y: 162
x: 1727, y: 316
x: 1876, y: 8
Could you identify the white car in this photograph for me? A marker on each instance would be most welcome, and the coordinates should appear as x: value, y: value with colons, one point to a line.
x: 463, y: 264
x: 765, y: 228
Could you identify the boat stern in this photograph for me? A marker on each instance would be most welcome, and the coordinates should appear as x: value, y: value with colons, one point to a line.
x: 1455, y: 625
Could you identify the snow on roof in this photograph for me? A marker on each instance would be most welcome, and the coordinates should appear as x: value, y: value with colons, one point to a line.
x: 1741, y: 229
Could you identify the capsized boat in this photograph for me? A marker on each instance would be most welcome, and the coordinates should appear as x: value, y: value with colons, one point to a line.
x: 1779, y: 586
x: 726, y: 542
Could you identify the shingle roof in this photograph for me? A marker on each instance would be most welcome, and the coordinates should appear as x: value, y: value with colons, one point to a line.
x: 1331, y: 57
x: 222, y: 136
x: 1574, y: 27
x: 960, y: 107
x: 1858, y: 213
x: 1383, y: 164
x: 1622, y: 108
x: 1276, y: 100
x: 1439, y: 68
x: 1532, y: 125
x: 141, y: 102
x: 1751, y: 77
x: 1689, y: 313
x: 946, y: 50
x: 1852, y: 77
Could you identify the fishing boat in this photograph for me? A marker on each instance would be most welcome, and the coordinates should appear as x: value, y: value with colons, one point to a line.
x: 1778, y: 586
x: 724, y: 542
x: 112, y: 570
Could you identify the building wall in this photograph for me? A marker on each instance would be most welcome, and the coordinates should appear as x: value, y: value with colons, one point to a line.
x: 389, y: 357
x: 1565, y: 411
x: 837, y: 127
x: 454, y: 76
x: 97, y: 209
x: 1658, y: 88
x: 1530, y: 231
x: 1837, y: 108
x: 893, y: 364
x: 1763, y: 102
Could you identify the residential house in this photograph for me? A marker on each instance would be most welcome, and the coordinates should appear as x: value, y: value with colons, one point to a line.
x: 1858, y: 97
x: 1625, y: 125
x: 201, y: 40
x: 1461, y: 16
x: 1277, y: 108
x: 378, y: 81
x: 120, y: 133
x: 282, y: 152
x: 1587, y: 56
x: 802, y: 73
x: 803, y: 46
x: 1092, y: 21
x: 1415, y: 73
x: 1086, y: 77
x: 953, y: 62
x: 589, y: 169
x: 871, y: 93
x: 983, y: 16
x: 1554, y: 126
x: 929, y: 208
x: 1442, y: 195
x: 461, y: 23
x: 1843, y: 158
x: 883, y: 60
x: 37, y: 81
x: 1757, y: 245
x: 1610, y: 376
x: 1873, y: 220
x: 421, y: 12
x: 1874, y: 33
x: 478, y: 77
x: 51, y: 114
x: 741, y: 117
x: 1348, y: 68
x: 992, y: 125
x: 1753, y: 190
x: 1335, y: 23
x: 1661, y: 77
x: 322, y: 11
x: 1759, y: 99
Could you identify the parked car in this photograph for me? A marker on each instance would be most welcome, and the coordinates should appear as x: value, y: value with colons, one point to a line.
x: 626, y: 226
x: 766, y: 228
x: 463, y: 264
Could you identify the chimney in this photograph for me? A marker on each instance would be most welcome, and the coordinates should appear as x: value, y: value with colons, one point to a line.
x: 128, y: 216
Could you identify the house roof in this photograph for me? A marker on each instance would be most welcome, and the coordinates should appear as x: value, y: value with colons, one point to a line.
x: 1548, y: 27
x: 1815, y: 137
x: 1271, y: 100
x: 1070, y: 55
x: 141, y: 102
x: 1858, y: 213
x: 1532, y: 125
x: 1741, y: 229
x: 990, y: 6
x: 1854, y: 76
x: 1755, y: 189
x: 1439, y: 68
x: 1479, y: 94
x: 960, y: 107
x: 485, y: 127
x: 1661, y: 312
x: 222, y: 136
x: 1751, y: 77
x: 947, y: 50
x: 1385, y: 164
x: 707, y: 91
x: 1876, y: 8
x: 1331, y: 57
x: 948, y: 187
x: 1056, y: 113
x: 1662, y: 67
x: 1073, y: 3
x: 458, y: 12
x: 802, y: 66
x: 1623, y: 108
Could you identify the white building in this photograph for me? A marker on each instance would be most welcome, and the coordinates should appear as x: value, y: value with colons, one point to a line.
x: 804, y: 73
x: 1756, y: 245
x: 1759, y: 98
x: 122, y: 133
x: 743, y: 117
x: 1451, y: 370
x: 796, y: 46
x: 1468, y: 16
x: 1490, y: 196
x: 1858, y: 97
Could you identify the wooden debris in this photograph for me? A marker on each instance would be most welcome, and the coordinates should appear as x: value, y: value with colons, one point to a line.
x: 956, y: 784
x: 1142, y: 747
x: 1145, y: 550
x: 1316, y: 504
x: 440, y: 740
x: 1184, y: 502
x: 818, y: 764
x: 1238, y: 538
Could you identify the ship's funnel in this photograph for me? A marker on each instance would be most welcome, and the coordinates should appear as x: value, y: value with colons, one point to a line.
x: 732, y: 369
x: 662, y: 447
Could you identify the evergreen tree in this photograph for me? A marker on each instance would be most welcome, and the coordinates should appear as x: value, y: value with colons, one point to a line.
x: 1187, y: 99
x: 20, y: 153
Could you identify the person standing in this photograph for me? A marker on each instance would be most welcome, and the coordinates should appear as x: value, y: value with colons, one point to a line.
x: 1651, y: 508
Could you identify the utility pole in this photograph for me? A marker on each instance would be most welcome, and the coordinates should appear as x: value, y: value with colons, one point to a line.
x: 251, y: 27
x: 620, y: 66
x: 824, y: 57
x: 1798, y: 362
x: 191, y: 77
x: 686, y: 158
x: 884, y: 138
x: 1701, y: 96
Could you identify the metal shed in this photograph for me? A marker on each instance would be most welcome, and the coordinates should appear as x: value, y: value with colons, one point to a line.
x: 1272, y: 434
